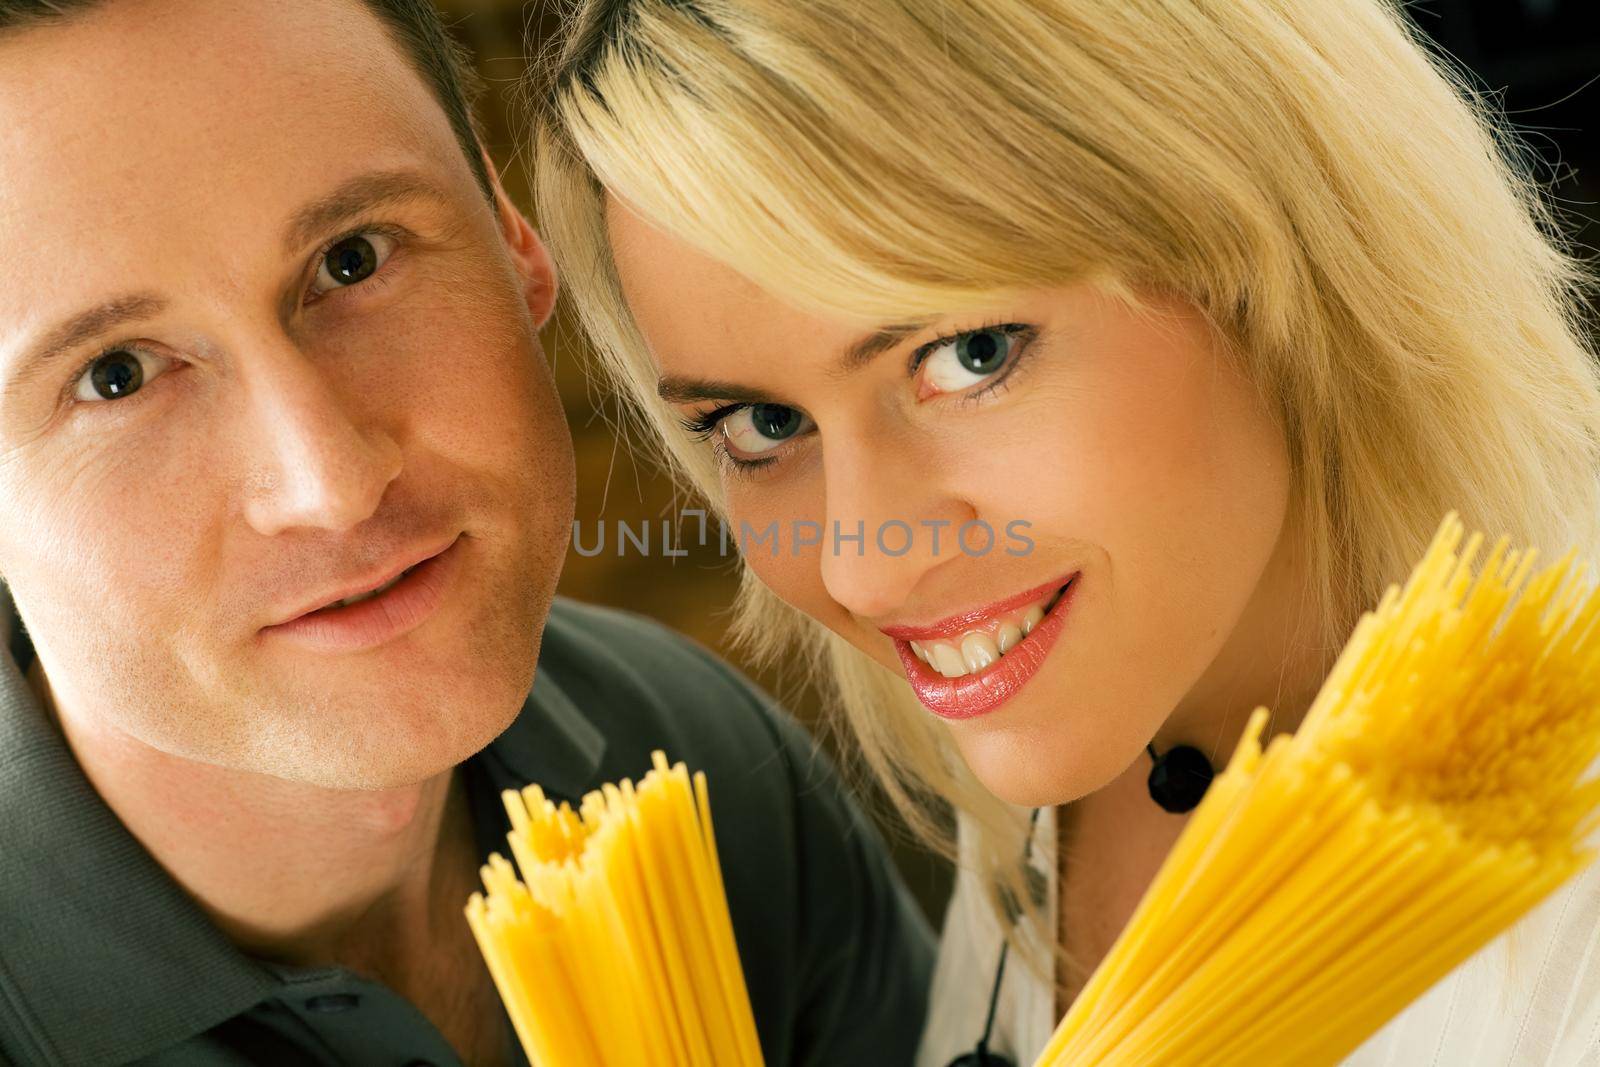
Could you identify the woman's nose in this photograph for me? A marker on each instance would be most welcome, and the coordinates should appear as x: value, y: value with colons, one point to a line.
x: 887, y: 525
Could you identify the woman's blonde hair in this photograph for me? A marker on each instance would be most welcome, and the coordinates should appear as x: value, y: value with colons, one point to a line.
x: 1359, y: 227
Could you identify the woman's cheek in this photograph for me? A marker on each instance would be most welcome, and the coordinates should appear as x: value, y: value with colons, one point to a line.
x: 762, y: 525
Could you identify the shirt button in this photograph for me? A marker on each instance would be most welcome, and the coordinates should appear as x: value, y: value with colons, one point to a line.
x: 327, y: 1003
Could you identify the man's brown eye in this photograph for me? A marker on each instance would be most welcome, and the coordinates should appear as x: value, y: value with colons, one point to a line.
x: 351, y: 260
x: 116, y: 374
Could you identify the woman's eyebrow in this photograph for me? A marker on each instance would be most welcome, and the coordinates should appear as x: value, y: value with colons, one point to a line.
x: 679, y: 390
x: 873, y: 344
x: 676, y: 390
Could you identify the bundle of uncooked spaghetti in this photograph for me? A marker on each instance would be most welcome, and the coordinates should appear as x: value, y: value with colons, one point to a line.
x: 1436, y: 791
x: 615, y: 948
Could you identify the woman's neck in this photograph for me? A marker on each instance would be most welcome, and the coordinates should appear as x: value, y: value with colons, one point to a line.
x: 1111, y: 843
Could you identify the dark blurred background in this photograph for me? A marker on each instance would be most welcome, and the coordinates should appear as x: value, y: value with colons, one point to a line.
x: 1539, y: 59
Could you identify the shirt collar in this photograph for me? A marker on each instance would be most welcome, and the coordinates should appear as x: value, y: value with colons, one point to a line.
x: 105, y: 958
x: 551, y: 741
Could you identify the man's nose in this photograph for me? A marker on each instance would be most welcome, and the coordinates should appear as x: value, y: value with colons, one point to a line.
x: 316, y: 457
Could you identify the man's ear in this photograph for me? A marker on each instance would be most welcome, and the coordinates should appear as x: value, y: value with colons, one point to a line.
x: 528, y: 252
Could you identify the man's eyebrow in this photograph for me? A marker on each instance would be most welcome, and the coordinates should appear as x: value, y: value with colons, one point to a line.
x: 676, y: 390
x: 352, y: 197
x: 36, y: 361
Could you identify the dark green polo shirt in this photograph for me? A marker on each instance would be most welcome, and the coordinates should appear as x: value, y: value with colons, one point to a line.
x: 104, y: 959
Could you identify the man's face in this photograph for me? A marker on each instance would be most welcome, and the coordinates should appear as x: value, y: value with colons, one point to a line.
x: 282, y: 394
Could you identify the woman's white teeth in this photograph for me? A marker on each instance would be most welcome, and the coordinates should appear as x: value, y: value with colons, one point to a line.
x: 1008, y: 637
x: 1033, y: 617
x: 384, y: 588
x: 978, y: 651
x: 947, y: 661
x: 974, y: 651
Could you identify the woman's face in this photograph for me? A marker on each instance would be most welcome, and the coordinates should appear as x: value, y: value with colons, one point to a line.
x: 1102, y: 448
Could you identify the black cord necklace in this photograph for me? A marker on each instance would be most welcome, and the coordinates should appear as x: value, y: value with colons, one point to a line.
x: 1178, y: 781
x: 981, y: 1056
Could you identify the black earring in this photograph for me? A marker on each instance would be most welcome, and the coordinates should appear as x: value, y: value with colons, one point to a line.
x: 1179, y: 779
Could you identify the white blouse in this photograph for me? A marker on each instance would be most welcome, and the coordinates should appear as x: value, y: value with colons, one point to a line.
x: 1548, y: 1015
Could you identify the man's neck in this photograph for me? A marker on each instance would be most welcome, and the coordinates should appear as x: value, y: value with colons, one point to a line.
x: 292, y: 873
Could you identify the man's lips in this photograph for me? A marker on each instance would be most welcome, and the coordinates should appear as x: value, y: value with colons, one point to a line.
x: 399, y: 562
x: 984, y: 690
x: 377, y: 620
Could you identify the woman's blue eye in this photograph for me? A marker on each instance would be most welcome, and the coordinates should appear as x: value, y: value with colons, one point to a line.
x: 352, y: 260
x: 757, y: 428
x: 953, y: 365
x: 775, y: 420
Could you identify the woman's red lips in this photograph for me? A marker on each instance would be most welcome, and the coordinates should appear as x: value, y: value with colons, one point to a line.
x: 959, y: 623
x: 984, y: 690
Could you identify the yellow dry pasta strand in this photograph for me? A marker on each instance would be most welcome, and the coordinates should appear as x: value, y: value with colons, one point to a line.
x: 1153, y: 915
x: 1355, y: 852
x: 705, y: 914
x: 617, y: 1033
x: 1152, y: 912
x: 521, y: 951
x: 608, y: 878
x: 710, y: 914
x: 597, y: 922
x: 1455, y: 727
x: 578, y: 965
x: 664, y: 874
x: 1328, y: 1036
x: 499, y: 969
x: 715, y: 921
x: 669, y: 1035
x: 734, y: 988
x: 693, y: 926
x: 548, y: 886
x: 1333, y: 966
x: 601, y: 885
x: 627, y: 872
x: 1338, y: 965
x: 680, y: 945
x: 1210, y: 907
x: 616, y: 947
x: 680, y: 987
x: 735, y: 1022
x: 1190, y: 939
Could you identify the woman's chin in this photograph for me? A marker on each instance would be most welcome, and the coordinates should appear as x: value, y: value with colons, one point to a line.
x: 1022, y: 769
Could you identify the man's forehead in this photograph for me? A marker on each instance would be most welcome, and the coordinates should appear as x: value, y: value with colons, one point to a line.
x: 142, y: 134
x: 134, y: 92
